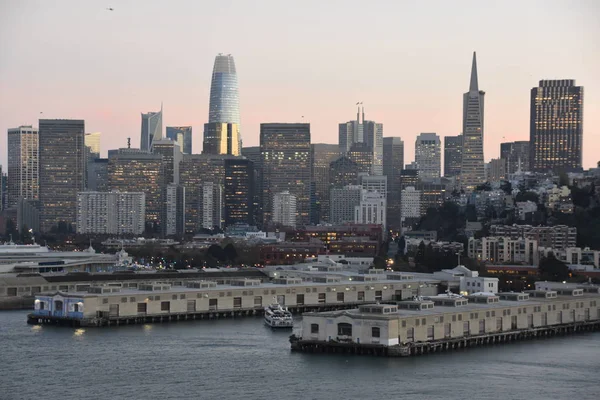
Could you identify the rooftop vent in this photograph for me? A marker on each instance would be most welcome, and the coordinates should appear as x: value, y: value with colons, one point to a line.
x: 517, y: 296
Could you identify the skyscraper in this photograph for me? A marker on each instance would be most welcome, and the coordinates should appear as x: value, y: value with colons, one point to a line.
x: 224, y: 104
x: 285, y: 159
x: 393, y: 163
x: 97, y: 175
x: 221, y: 138
x: 23, y: 168
x: 253, y: 154
x: 516, y: 156
x: 183, y: 136
x: 452, y: 155
x: 284, y: 209
x: 151, y: 129
x: 556, y: 126
x: 473, y: 169
x: 132, y: 170
x: 367, y: 133
x: 92, y: 142
x: 427, y: 156
x: 238, y: 191
x: 321, y: 155
x: 62, y: 171
x: 172, y: 156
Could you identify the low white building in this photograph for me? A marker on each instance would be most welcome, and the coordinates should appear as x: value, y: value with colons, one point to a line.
x: 468, y: 281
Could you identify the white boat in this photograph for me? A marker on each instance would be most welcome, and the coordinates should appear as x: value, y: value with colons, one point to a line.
x: 277, y: 316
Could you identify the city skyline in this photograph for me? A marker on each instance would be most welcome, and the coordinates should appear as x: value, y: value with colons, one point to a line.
x: 277, y: 86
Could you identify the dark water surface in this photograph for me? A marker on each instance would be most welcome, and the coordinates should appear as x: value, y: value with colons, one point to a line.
x: 242, y: 359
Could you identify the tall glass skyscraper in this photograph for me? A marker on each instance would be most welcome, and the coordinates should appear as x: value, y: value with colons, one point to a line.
x: 556, y: 126
x: 224, y: 104
x: 151, y: 129
x: 183, y: 136
x: 472, y: 172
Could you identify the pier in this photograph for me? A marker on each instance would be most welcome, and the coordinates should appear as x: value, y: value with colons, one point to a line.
x: 439, y: 346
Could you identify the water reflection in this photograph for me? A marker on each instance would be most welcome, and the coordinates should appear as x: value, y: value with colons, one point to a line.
x: 147, y: 329
x: 36, y: 328
x: 78, y: 333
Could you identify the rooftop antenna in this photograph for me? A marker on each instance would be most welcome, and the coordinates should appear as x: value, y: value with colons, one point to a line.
x: 128, y: 142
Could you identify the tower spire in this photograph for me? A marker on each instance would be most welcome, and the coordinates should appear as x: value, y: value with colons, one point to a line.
x: 474, y: 85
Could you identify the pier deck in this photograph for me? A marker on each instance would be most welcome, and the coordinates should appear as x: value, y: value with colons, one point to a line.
x: 443, y: 345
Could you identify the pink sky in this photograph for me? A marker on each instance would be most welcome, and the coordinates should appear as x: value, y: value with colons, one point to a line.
x: 407, y: 61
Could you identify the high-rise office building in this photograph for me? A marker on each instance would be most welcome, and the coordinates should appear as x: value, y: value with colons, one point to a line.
x: 151, y: 129
x: 194, y: 171
x: 110, y: 213
x: 496, y: 170
x: 224, y: 104
x: 368, y: 133
x: 238, y: 191
x: 453, y: 146
x: 174, y: 210
x: 516, y: 156
x: 371, y: 209
x: 343, y: 172
x: 284, y: 209
x: 472, y: 172
x: 374, y: 183
x: 556, y: 126
x: 362, y: 155
x: 172, y: 156
x: 321, y: 155
x: 92, y: 143
x: 408, y: 177
x: 393, y: 164
x: 183, y: 136
x: 97, y: 175
x: 428, y: 156
x: 211, y: 205
x: 285, y: 159
x: 132, y: 170
x: 253, y: 154
x: 23, y: 168
x: 373, y: 134
x: 343, y: 203
x: 221, y: 138
x: 433, y: 195
x: 62, y: 171
x: 411, y: 204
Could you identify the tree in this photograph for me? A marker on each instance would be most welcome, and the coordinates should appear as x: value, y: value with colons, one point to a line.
x: 506, y: 187
x: 215, y: 251
x: 378, y: 262
x: 401, y: 245
x: 552, y: 269
x: 230, y: 252
x: 527, y: 196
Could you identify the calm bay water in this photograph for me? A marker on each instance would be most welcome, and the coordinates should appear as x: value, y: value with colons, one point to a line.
x: 242, y: 359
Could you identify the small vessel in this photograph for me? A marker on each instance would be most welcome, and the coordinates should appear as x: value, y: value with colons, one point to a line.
x: 277, y: 316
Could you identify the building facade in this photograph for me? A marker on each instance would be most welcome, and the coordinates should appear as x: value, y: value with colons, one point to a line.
x: 286, y: 166
x: 393, y: 164
x: 452, y: 155
x: 428, y: 156
x: 132, y: 170
x: 97, y: 175
x: 496, y: 170
x: 472, y: 171
x: 556, y: 126
x: 92, y: 142
x: 151, y: 129
x: 62, y: 171
x: 321, y: 155
x: 110, y: 213
x: 284, y: 209
x: 371, y: 209
x: 411, y: 203
x: 221, y: 138
x: 23, y: 165
x: 174, y: 210
x: 172, y: 156
x: 238, y: 191
x: 211, y: 205
x: 224, y: 104
x: 343, y: 203
x: 516, y: 156
x: 183, y: 136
